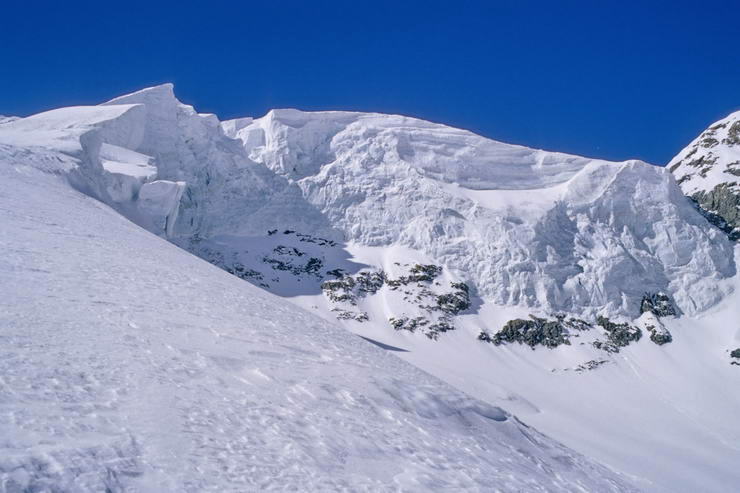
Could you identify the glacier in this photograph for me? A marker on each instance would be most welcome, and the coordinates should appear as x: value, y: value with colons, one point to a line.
x: 525, y: 227
x: 287, y: 201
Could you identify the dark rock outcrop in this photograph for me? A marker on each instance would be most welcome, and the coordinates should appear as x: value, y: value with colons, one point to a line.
x: 735, y: 355
x: 430, y: 329
x: 659, y: 304
x: 456, y: 301
x: 536, y: 331
x: 619, y: 335
x: 721, y: 207
x: 658, y: 336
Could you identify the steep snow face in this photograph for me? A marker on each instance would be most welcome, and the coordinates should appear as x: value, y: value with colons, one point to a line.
x: 524, y: 227
x: 708, y: 170
x: 527, y: 227
x: 72, y: 140
x: 299, y: 144
x: 129, y: 365
x: 713, y: 158
x: 222, y: 190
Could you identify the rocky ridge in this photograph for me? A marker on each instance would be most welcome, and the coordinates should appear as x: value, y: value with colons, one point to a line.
x: 708, y: 171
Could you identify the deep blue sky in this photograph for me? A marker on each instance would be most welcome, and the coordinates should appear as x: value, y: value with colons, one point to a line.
x: 608, y: 79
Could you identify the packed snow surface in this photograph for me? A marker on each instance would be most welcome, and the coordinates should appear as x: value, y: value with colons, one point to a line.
x: 127, y: 364
x: 660, y: 413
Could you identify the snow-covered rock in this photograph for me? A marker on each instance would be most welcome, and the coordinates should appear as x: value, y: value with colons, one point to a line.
x: 708, y: 171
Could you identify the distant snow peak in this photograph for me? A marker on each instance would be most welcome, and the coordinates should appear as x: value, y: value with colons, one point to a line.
x: 708, y: 170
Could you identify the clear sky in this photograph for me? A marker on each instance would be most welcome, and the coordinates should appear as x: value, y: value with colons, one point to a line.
x: 607, y: 79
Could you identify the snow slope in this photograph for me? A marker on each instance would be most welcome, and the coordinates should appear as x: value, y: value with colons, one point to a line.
x: 127, y: 364
x: 294, y: 199
x: 661, y: 413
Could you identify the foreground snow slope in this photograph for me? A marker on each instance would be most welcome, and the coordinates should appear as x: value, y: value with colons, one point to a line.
x: 660, y: 413
x: 667, y: 415
x: 127, y: 364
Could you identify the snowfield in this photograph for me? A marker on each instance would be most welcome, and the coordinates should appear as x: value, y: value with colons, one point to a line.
x: 127, y: 364
x: 591, y: 299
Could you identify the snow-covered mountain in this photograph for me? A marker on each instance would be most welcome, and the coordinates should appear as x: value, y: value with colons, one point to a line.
x: 526, y: 227
x: 708, y: 170
x: 127, y: 364
x: 590, y: 298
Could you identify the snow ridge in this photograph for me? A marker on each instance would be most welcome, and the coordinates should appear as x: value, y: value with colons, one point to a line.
x: 525, y: 227
x: 708, y: 170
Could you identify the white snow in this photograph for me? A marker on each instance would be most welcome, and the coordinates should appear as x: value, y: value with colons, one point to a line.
x: 527, y: 227
x: 163, y: 373
x: 662, y: 414
x: 126, y: 162
x: 127, y: 364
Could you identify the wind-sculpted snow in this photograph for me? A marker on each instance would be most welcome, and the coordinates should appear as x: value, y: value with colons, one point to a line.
x: 226, y: 192
x: 127, y: 364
